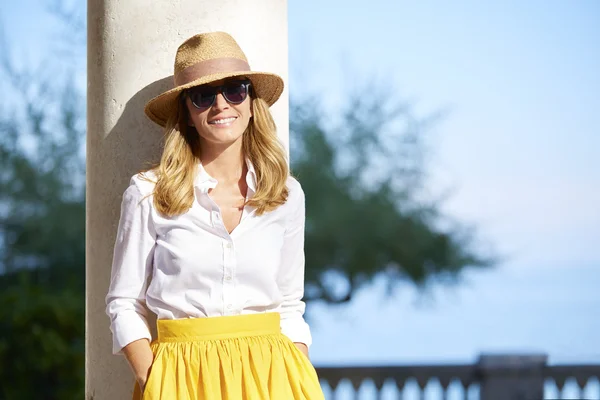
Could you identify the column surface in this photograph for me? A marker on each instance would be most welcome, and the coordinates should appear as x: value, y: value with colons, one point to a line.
x: 131, y: 51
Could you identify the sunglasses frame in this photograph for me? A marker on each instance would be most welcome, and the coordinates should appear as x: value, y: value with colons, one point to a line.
x: 219, y: 89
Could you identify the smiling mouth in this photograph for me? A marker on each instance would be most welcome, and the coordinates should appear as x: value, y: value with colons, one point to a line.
x: 223, y: 121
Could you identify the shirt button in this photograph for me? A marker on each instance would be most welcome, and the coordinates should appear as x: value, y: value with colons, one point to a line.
x: 228, y: 245
x: 228, y: 278
x: 229, y: 306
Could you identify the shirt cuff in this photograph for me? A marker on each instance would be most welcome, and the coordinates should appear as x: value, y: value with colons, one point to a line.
x: 297, y: 330
x: 128, y: 327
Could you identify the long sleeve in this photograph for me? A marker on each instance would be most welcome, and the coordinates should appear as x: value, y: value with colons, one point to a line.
x: 131, y: 270
x: 291, y: 274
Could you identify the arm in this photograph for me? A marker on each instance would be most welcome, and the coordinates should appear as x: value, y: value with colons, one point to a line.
x: 130, y: 275
x: 291, y: 274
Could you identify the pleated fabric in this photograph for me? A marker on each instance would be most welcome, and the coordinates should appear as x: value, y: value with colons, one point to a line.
x: 242, y: 357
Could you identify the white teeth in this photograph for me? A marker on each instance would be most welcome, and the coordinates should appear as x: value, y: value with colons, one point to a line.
x: 222, y: 121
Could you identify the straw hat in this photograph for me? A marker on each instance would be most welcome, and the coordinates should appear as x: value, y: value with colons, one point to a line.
x: 206, y: 58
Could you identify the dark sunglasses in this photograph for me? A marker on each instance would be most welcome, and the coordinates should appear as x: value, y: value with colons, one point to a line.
x: 235, y: 92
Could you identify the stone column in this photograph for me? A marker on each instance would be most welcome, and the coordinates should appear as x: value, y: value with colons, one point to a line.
x: 131, y: 50
x: 515, y: 377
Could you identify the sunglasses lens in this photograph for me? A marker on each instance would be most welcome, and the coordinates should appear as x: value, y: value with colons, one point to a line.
x: 202, y: 97
x: 235, y: 92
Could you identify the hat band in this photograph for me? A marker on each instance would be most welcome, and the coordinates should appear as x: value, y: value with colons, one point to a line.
x: 209, y: 67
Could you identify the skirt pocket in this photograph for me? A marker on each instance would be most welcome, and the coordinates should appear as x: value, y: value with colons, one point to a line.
x: 155, y: 369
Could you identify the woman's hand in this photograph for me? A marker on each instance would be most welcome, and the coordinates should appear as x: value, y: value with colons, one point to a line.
x: 141, y: 384
x: 140, y: 358
x: 303, y: 348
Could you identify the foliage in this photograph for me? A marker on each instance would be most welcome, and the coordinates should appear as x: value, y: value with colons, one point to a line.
x: 366, y: 211
x: 42, y: 237
x: 42, y: 333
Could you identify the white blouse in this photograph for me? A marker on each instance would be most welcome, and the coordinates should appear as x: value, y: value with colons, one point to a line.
x: 189, y: 266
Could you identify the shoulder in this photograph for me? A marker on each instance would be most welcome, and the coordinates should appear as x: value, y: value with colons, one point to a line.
x: 143, y: 182
x: 295, y: 203
x: 141, y: 187
x: 295, y: 191
x: 294, y: 207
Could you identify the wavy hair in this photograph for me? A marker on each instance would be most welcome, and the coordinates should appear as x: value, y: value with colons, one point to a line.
x: 175, y: 174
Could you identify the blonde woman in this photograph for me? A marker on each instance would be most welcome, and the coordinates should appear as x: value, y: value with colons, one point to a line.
x: 212, y: 242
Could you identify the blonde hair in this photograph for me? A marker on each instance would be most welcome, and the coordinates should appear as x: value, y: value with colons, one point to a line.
x: 174, y: 189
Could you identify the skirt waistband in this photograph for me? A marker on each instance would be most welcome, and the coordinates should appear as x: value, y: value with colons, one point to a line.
x: 214, y: 328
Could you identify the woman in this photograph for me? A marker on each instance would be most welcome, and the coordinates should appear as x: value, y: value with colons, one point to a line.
x: 211, y: 241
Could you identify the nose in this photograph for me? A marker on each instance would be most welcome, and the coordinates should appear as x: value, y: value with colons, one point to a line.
x: 220, y: 102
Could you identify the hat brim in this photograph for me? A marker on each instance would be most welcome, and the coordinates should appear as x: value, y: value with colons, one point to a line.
x: 267, y: 86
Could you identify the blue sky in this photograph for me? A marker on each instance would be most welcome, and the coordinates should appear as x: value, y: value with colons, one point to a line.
x: 519, y: 146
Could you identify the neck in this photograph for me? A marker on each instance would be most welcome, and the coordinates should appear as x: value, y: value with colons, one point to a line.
x: 224, y: 163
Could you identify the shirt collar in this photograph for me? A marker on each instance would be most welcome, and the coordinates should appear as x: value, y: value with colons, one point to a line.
x: 204, y: 181
x: 251, y: 176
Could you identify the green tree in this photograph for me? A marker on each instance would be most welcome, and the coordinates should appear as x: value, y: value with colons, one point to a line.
x: 42, y: 233
x: 367, y: 215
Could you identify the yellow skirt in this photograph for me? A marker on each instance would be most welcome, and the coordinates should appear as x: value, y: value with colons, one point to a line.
x: 242, y: 357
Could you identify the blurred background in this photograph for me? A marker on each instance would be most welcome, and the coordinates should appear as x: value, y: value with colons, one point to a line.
x: 450, y: 155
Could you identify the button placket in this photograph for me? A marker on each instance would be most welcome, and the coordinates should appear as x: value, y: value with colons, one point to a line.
x: 215, y: 216
x: 228, y: 275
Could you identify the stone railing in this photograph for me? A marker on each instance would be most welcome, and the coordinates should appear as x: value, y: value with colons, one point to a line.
x: 492, y: 377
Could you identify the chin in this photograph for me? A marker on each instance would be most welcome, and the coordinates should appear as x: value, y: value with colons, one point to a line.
x: 226, y: 139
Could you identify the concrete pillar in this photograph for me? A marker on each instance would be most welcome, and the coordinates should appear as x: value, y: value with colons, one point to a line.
x: 131, y: 50
x: 515, y: 377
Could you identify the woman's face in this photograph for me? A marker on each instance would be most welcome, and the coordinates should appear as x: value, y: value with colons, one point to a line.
x: 222, y: 122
